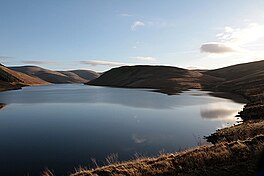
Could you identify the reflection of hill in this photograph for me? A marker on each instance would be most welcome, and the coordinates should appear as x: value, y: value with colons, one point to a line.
x: 104, y: 95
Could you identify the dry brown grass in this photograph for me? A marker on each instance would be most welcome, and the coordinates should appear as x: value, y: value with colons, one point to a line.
x: 243, y: 131
x: 47, y: 172
x: 220, y: 159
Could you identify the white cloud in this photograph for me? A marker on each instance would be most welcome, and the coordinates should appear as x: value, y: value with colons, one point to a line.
x: 241, y: 36
x: 136, y: 25
x: 144, y: 58
x: 215, y: 47
x: 234, y: 39
x: 102, y: 62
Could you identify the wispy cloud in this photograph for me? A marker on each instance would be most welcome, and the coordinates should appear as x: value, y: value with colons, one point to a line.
x: 126, y: 15
x: 136, y: 25
x: 144, y: 58
x: 240, y: 36
x: 102, y: 62
x: 6, y: 57
x: 38, y: 62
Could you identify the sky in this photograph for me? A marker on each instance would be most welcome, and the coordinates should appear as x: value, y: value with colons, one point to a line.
x: 102, y: 34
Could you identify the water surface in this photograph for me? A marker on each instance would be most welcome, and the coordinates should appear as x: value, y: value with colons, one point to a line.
x: 63, y: 127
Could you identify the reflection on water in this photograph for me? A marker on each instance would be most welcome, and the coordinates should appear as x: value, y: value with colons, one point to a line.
x: 220, y: 110
x: 64, y: 126
x: 127, y: 97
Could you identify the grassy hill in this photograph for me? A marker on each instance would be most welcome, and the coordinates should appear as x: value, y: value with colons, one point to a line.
x: 57, y: 77
x: 10, y: 79
x: 164, y: 78
x: 86, y: 74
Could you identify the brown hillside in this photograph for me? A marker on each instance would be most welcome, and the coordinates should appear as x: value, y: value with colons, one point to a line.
x: 44, y: 74
x: 56, y: 77
x: 11, y: 76
x: 86, y: 74
x: 154, y: 77
x: 10, y: 79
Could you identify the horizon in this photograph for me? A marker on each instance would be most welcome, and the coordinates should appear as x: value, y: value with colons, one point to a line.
x: 130, y: 66
x: 100, y: 35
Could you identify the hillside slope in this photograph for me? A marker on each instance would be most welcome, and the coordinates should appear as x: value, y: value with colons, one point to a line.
x: 56, y: 77
x: 154, y: 77
x: 164, y: 78
x: 86, y: 74
x: 10, y: 79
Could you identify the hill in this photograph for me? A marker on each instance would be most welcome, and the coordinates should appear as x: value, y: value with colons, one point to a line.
x: 153, y: 77
x: 10, y: 79
x: 86, y: 74
x: 163, y: 78
x: 82, y: 75
x: 57, y: 77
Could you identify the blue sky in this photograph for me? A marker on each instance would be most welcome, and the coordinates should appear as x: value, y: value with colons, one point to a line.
x: 100, y: 34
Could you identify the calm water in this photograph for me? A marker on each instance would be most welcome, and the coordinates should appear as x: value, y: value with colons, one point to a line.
x: 63, y: 126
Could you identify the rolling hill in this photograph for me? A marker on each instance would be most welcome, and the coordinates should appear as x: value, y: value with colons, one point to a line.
x: 10, y: 79
x: 57, y: 77
x: 166, y: 79
x: 153, y: 77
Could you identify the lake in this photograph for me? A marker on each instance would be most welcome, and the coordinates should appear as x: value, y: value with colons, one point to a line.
x: 62, y: 127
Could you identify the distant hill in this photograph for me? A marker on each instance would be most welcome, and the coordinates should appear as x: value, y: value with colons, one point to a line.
x: 57, y: 77
x: 164, y: 78
x: 86, y: 74
x: 10, y: 79
x: 173, y: 78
